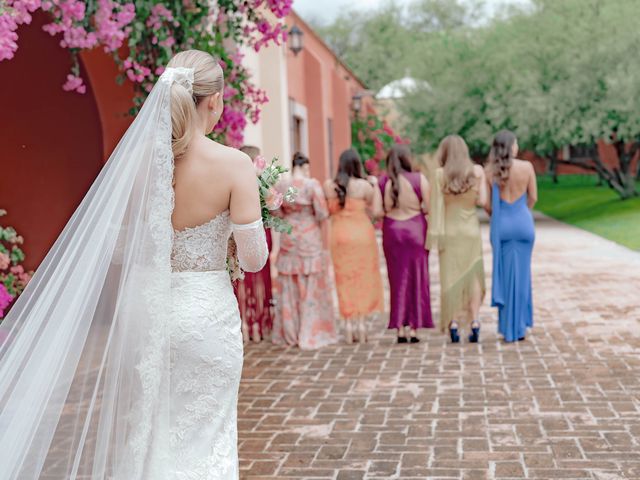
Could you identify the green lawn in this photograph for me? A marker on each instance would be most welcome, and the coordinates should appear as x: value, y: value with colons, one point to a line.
x: 577, y: 200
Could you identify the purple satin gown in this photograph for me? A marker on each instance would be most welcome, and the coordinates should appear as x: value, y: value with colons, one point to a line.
x: 407, y: 265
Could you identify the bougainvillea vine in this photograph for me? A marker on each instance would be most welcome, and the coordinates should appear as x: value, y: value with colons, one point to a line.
x: 142, y: 35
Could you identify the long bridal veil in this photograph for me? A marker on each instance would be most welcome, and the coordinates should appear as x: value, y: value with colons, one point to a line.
x: 86, y: 355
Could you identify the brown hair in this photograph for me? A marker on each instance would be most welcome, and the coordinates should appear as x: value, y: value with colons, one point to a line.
x: 250, y: 150
x: 208, y: 79
x: 299, y: 160
x: 349, y: 167
x: 453, y: 157
x: 501, y: 156
x: 398, y: 161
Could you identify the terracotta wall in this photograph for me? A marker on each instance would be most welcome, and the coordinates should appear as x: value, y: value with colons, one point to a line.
x: 321, y: 83
x: 53, y: 142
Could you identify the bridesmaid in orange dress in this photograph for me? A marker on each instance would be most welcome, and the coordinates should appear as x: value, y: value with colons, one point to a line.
x: 354, y: 200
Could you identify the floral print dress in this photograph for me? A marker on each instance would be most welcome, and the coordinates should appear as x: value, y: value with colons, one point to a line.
x: 306, y: 316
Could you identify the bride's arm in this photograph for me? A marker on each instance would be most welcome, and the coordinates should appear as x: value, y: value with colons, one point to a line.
x: 246, y: 217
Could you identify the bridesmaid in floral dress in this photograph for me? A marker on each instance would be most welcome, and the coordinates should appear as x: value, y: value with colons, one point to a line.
x: 305, y: 314
x: 353, y: 201
x: 254, y: 291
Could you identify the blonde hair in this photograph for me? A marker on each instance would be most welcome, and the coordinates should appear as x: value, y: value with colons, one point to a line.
x: 453, y: 157
x: 208, y: 79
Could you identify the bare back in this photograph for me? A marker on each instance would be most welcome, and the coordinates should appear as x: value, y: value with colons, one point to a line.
x: 211, y: 179
x: 409, y: 204
x: 358, y: 189
x: 522, y: 179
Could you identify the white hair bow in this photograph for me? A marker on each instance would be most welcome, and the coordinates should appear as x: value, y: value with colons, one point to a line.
x: 181, y: 75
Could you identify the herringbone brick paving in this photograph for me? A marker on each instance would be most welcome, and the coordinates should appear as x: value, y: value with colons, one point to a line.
x: 563, y: 404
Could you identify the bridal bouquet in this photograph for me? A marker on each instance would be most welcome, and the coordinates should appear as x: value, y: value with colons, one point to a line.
x: 271, y: 199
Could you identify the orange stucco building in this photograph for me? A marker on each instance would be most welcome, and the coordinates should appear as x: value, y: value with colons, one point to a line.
x: 320, y: 89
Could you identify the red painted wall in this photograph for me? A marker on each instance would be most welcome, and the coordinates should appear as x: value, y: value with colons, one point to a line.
x: 54, y: 142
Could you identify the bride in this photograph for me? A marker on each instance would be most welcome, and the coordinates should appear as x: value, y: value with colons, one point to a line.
x: 123, y: 356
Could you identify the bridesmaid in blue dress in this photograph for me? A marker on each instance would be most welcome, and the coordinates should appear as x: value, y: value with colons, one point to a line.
x: 513, y: 194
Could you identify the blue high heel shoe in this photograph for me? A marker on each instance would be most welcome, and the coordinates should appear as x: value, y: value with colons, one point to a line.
x: 475, y: 333
x: 453, y: 332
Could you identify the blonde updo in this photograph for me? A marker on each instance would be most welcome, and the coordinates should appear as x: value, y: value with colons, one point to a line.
x: 208, y: 79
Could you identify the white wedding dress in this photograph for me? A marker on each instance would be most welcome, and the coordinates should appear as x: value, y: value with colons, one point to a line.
x: 206, y: 351
x: 122, y: 358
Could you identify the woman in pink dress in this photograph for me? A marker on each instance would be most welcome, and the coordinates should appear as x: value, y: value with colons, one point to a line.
x: 305, y: 313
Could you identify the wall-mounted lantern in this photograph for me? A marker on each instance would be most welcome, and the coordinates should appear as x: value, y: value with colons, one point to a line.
x: 356, y: 102
x: 295, y: 40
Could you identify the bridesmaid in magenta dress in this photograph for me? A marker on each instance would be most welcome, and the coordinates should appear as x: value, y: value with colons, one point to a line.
x: 254, y: 292
x: 404, y: 231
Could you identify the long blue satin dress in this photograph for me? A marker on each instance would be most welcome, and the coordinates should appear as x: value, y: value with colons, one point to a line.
x: 512, y: 239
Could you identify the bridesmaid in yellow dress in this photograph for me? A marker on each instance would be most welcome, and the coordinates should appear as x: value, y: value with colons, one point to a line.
x: 458, y: 188
x: 353, y: 201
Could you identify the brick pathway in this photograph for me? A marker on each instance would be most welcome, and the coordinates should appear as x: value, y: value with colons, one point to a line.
x: 563, y: 404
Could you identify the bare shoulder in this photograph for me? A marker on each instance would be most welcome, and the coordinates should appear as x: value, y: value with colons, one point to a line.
x: 329, y: 188
x: 522, y: 163
x: 231, y: 161
x: 524, y: 166
x: 478, y: 171
x: 313, y: 182
x: 361, y: 185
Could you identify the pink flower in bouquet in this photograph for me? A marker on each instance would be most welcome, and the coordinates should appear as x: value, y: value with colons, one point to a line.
x: 260, y: 163
x: 274, y: 199
x: 5, y: 261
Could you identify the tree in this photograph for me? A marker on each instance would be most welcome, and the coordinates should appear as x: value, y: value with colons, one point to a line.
x: 374, y: 44
x: 563, y: 74
x: 383, y: 44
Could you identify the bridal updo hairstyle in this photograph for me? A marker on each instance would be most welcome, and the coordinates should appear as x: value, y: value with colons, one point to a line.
x: 501, y: 156
x: 208, y: 79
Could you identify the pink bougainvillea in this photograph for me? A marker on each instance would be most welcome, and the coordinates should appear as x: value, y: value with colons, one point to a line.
x: 151, y: 32
x: 5, y: 299
x: 372, y: 138
x: 13, y: 277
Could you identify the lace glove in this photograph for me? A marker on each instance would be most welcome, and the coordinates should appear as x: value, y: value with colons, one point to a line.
x: 251, y: 244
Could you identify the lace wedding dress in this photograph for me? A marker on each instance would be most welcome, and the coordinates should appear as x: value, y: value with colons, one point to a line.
x: 122, y: 358
x: 206, y: 351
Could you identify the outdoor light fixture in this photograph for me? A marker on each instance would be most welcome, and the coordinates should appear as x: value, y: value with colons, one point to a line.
x: 356, y: 102
x: 295, y: 34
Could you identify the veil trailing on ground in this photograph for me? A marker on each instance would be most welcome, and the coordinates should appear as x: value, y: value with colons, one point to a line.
x: 84, y: 364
